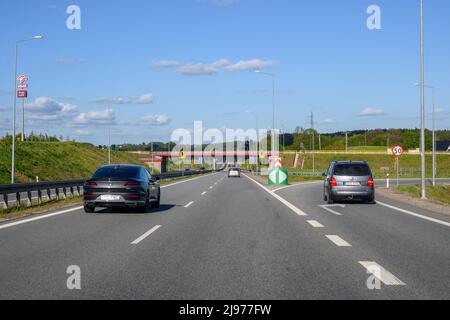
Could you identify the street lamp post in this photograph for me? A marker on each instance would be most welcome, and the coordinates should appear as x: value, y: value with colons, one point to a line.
x: 257, y: 138
x: 433, y: 88
x: 273, y: 106
x: 14, y: 105
x: 422, y: 105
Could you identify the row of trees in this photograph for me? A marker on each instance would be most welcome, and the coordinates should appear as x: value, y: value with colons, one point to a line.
x: 409, y: 139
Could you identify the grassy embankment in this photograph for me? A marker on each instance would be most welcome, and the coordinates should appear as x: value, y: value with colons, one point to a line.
x: 56, y: 161
x: 439, y: 193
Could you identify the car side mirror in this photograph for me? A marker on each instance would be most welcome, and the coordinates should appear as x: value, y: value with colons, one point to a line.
x: 324, y: 174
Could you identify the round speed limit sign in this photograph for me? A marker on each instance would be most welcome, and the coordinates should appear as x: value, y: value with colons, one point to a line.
x: 397, y: 151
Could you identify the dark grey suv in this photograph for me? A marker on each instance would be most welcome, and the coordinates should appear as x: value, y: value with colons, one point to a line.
x: 348, y: 180
x: 122, y: 186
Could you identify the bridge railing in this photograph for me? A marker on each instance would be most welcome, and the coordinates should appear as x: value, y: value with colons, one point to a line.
x: 29, y: 194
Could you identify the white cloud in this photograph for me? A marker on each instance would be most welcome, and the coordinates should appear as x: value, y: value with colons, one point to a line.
x: 254, y: 64
x: 155, y: 120
x: 197, y: 69
x: 328, y: 121
x: 146, y: 98
x: 194, y: 69
x: 372, y: 112
x: 94, y: 118
x: 47, y: 109
x: 82, y: 133
x: 165, y: 64
x: 439, y: 110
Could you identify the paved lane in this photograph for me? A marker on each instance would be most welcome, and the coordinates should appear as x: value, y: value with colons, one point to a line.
x: 220, y: 238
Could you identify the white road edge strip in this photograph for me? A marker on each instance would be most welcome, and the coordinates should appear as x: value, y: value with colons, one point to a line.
x: 16, y: 223
x: 189, y: 204
x: 447, y: 224
x: 145, y: 235
x: 381, y: 274
x: 188, y: 180
x: 315, y: 224
x: 338, y: 241
x: 327, y: 208
x: 285, y: 202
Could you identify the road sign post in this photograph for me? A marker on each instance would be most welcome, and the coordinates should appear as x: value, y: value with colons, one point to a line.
x: 397, y: 151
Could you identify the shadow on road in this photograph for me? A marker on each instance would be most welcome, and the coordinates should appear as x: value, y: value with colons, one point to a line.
x: 162, y: 209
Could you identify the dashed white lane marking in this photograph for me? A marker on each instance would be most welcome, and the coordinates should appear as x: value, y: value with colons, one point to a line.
x: 315, y: 224
x: 12, y: 224
x: 189, y: 204
x: 145, y: 235
x: 204, y: 193
x: 447, y: 224
x: 297, y: 185
x: 211, y: 187
x: 381, y: 274
x: 285, y: 202
x: 328, y: 208
x: 338, y: 241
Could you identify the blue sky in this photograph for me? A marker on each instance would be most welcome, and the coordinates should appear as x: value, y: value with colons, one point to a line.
x: 147, y: 67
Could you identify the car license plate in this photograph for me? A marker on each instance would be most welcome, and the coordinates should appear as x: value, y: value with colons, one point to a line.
x: 353, y: 184
x: 110, y: 198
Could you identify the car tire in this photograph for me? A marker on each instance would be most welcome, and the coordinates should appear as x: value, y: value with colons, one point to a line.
x: 330, y: 199
x: 371, y: 200
x: 157, y: 204
x: 146, y: 206
x: 88, y: 209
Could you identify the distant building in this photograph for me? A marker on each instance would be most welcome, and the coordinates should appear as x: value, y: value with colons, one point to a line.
x: 443, y: 146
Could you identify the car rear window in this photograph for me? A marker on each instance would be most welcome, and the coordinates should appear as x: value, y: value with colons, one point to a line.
x: 116, y: 173
x: 352, y: 170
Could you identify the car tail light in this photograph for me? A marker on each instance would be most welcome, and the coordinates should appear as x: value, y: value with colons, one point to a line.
x: 88, y: 196
x: 370, y: 183
x: 333, y: 182
x: 90, y: 184
x: 132, y: 184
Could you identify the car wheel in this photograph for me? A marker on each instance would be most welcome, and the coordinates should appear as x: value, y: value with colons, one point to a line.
x: 371, y: 200
x: 157, y: 204
x: 89, y: 209
x: 330, y: 199
x: 146, y: 206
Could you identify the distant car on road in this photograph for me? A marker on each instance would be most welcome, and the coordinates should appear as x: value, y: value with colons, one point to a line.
x: 348, y: 180
x: 234, y: 173
x: 122, y: 186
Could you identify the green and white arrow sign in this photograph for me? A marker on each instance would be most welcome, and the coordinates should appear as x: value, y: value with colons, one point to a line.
x: 278, y: 177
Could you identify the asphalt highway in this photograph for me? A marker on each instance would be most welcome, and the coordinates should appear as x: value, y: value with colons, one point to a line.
x: 221, y: 238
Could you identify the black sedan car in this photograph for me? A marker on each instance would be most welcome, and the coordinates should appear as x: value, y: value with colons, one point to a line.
x: 122, y: 186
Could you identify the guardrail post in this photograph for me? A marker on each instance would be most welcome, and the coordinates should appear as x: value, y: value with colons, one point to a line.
x: 39, y: 197
x: 5, y: 200
x: 18, y: 200
x: 71, y: 191
x: 65, y: 192
x: 49, y: 195
x: 30, y: 199
x: 79, y: 190
x: 57, y: 193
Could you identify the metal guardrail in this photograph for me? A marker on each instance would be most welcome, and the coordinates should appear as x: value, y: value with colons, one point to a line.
x: 56, y: 190
x: 306, y: 173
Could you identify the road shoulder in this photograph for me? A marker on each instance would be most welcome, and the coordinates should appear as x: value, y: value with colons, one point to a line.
x: 423, y: 204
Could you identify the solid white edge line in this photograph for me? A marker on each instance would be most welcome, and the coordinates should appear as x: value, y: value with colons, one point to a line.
x: 16, y: 223
x: 338, y: 241
x: 381, y: 274
x: 188, y: 180
x: 315, y: 224
x: 189, y: 204
x: 145, y: 235
x: 444, y: 223
x: 282, y: 200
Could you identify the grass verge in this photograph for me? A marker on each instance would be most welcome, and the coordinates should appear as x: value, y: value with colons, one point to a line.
x: 439, y: 193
